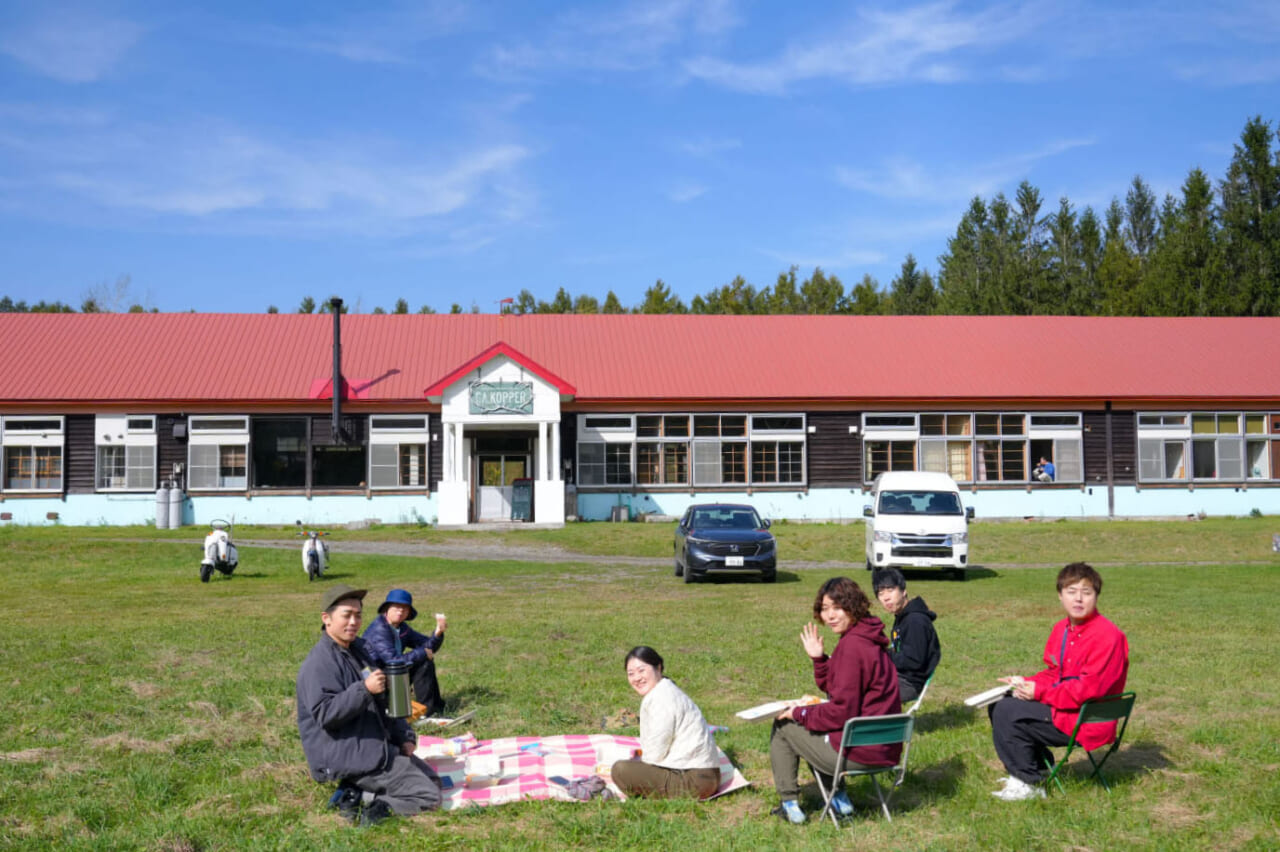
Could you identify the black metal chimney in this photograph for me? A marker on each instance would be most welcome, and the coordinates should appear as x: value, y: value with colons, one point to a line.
x: 335, y: 305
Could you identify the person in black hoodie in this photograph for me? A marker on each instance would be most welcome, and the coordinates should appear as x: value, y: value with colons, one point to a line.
x: 913, y: 641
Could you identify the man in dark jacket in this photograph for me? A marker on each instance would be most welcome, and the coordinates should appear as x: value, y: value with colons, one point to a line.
x: 345, y: 733
x: 913, y: 641
x: 389, y: 639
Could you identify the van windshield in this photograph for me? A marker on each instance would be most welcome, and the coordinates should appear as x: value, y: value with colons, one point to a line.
x: 920, y: 503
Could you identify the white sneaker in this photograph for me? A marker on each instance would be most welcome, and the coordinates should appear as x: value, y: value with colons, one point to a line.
x: 1018, y: 790
x: 1004, y: 784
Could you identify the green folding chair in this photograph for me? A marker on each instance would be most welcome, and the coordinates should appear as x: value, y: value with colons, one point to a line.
x: 920, y: 697
x: 865, y: 731
x: 1109, y: 708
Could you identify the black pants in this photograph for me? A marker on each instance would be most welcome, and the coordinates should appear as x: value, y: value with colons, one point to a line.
x: 426, y: 689
x: 1022, y: 732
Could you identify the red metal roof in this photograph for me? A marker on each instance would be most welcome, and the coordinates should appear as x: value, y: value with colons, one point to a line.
x: 279, y: 358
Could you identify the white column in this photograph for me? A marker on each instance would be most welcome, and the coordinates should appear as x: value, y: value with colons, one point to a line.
x: 460, y: 458
x: 557, y: 470
x: 542, y: 451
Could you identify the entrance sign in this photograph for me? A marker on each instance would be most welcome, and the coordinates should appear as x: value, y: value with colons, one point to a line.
x: 501, y: 397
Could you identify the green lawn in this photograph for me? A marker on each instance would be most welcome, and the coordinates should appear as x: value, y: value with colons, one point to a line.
x: 147, y: 710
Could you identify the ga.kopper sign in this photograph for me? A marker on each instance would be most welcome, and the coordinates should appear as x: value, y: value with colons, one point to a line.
x: 502, y: 397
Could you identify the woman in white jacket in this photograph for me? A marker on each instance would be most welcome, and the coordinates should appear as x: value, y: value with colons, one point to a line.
x: 678, y: 754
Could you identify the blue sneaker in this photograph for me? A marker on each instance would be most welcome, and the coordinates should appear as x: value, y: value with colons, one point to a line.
x: 790, y: 811
x: 841, y: 805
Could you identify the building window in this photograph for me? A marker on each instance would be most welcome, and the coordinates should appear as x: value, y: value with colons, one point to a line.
x: 126, y: 452
x: 32, y: 453
x: 691, y: 449
x: 974, y: 446
x: 1204, y: 446
x: 218, y: 453
x: 398, y: 452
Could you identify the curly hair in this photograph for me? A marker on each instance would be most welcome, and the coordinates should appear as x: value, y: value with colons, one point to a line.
x: 845, y: 594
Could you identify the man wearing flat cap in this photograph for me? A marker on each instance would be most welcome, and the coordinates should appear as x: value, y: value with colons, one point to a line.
x: 389, y: 639
x: 346, y: 735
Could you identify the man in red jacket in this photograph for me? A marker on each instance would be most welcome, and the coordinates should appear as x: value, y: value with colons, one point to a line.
x: 1087, y: 657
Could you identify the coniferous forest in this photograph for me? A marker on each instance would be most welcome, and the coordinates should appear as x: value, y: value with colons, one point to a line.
x: 1212, y: 249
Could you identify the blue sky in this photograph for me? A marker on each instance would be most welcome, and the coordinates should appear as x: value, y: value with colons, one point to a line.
x: 234, y: 155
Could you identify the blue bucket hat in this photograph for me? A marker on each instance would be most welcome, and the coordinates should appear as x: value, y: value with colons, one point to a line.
x: 399, y: 596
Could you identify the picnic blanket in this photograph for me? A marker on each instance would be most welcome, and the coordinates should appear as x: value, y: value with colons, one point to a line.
x: 514, y: 769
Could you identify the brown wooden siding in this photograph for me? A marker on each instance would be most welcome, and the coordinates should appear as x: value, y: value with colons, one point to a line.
x: 835, y: 453
x: 1123, y: 445
x: 569, y: 445
x: 78, y: 464
x: 170, y: 450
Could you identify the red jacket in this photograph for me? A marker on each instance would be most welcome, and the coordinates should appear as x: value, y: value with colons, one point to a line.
x: 1092, y: 662
x: 859, y: 679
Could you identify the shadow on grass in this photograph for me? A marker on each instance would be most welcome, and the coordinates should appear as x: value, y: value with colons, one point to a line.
x: 1124, y: 767
x: 468, y: 699
x: 921, y: 788
x: 783, y: 577
x: 950, y: 716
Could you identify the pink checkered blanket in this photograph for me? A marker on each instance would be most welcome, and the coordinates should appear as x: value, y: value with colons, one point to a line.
x: 514, y: 769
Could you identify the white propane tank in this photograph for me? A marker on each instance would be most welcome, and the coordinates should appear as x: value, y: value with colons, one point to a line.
x: 162, y: 506
x: 175, y: 507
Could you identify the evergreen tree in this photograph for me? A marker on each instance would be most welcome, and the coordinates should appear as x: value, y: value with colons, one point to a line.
x: 585, y: 304
x: 1119, y: 273
x: 963, y: 269
x: 1251, y: 222
x: 659, y: 299
x: 525, y: 303
x: 426, y: 309
x: 1084, y: 297
x: 785, y: 298
x: 866, y: 299
x: 1185, y: 275
x: 821, y: 294
x: 737, y: 297
x: 612, y: 305
x: 308, y: 305
x: 272, y: 309
x: 912, y: 292
x: 402, y: 307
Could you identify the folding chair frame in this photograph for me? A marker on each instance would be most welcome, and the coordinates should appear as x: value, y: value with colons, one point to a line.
x: 1109, y: 708
x: 870, y: 730
x: 924, y: 689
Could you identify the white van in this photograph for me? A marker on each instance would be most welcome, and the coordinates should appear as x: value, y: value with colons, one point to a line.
x: 916, y: 520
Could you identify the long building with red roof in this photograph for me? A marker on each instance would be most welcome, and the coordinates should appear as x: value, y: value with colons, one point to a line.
x: 463, y: 419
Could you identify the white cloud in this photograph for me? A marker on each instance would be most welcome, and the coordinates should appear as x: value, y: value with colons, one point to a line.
x: 636, y: 35
x: 882, y: 46
x: 70, y: 45
x: 901, y: 178
x: 683, y: 193
x: 220, y: 177
x: 391, y: 36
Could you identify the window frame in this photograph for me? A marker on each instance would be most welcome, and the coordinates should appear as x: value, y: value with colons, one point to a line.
x: 39, y: 436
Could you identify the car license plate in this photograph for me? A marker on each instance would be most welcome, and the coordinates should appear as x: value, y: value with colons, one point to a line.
x: 733, y: 561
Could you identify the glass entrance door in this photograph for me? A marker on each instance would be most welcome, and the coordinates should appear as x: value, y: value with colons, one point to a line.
x: 496, y: 473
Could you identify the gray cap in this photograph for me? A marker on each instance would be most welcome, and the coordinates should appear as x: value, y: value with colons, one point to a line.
x: 340, y: 593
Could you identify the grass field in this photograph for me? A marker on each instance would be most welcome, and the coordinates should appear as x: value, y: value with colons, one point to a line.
x: 149, y: 711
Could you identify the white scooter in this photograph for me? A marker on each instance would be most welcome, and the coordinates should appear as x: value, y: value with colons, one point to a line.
x: 219, y: 552
x: 315, y: 553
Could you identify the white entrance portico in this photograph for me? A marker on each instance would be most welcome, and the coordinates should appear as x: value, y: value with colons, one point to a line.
x: 500, y: 418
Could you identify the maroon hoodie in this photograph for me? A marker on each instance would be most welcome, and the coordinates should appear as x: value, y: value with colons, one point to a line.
x: 859, y: 679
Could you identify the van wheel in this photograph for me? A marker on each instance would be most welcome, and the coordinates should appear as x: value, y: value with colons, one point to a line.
x: 679, y: 571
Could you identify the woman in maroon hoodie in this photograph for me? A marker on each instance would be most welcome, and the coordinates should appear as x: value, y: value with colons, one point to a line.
x: 859, y: 679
